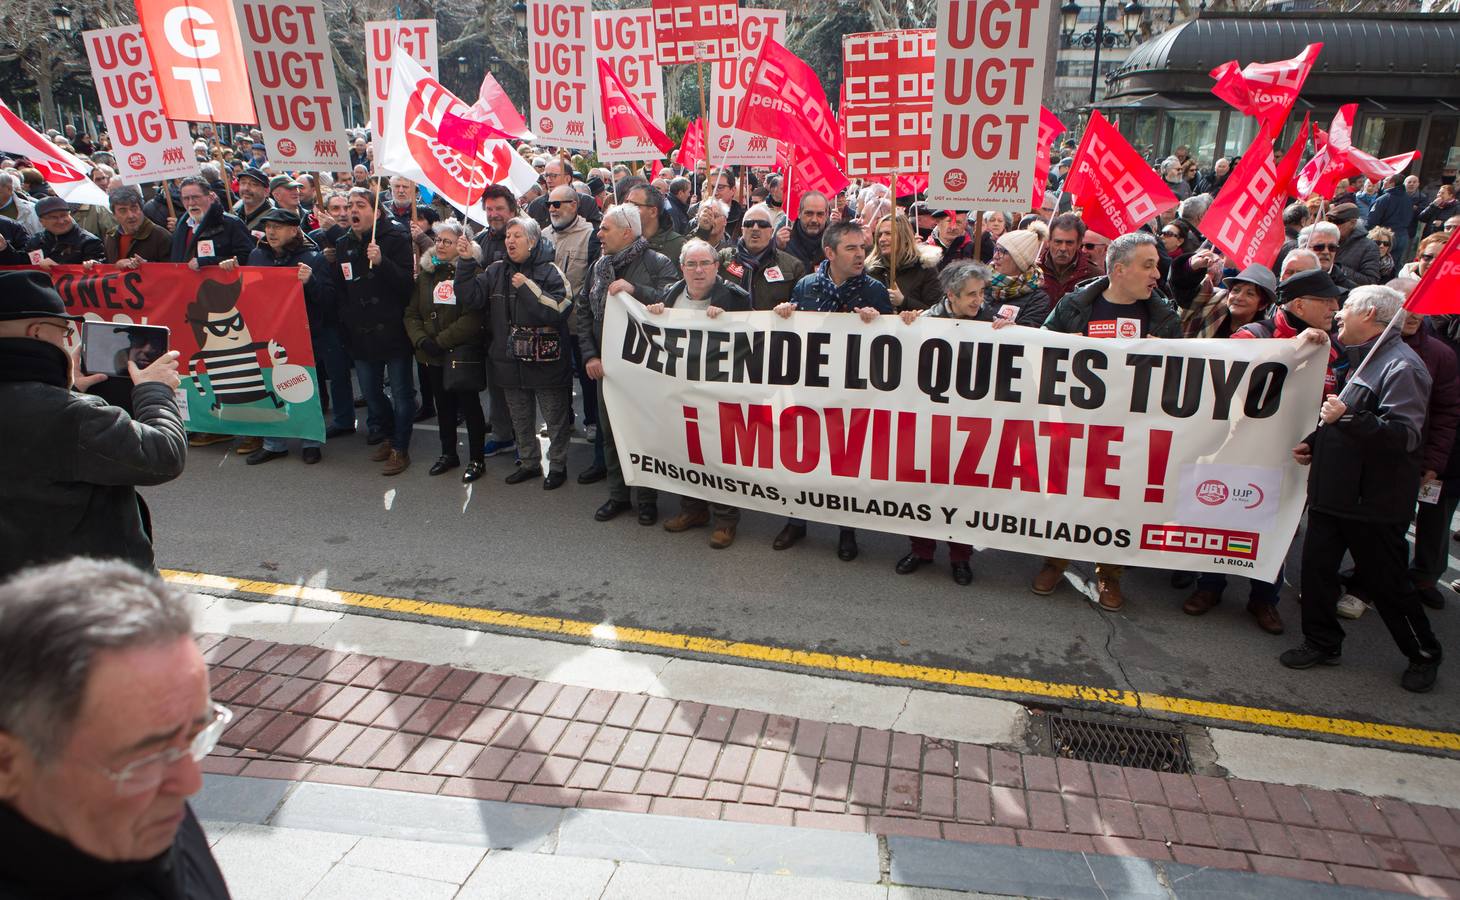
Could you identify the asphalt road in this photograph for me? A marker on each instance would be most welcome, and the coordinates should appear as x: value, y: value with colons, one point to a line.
x: 342, y: 525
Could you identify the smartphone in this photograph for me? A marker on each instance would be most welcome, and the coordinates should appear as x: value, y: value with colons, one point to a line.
x: 106, y: 347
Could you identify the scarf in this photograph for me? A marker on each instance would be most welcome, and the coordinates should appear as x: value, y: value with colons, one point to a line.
x: 804, y: 246
x: 27, y: 359
x: 608, y: 268
x: 756, y: 261
x: 1006, y: 288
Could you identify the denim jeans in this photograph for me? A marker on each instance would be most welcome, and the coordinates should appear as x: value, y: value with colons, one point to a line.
x: 275, y: 444
x: 330, y: 349
x: 1261, y: 592
x: 393, y: 417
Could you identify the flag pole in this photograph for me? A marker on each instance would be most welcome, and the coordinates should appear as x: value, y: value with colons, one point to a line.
x: 704, y: 128
x: 786, y: 188
x: 892, y: 260
x: 167, y: 193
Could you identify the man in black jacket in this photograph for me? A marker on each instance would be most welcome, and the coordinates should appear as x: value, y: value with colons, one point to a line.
x: 253, y: 200
x: 378, y: 276
x: 208, y: 236
x: 555, y: 174
x: 76, y: 461
x: 13, y: 241
x: 1362, y: 486
x: 105, y: 716
x: 62, y: 241
x: 802, y: 238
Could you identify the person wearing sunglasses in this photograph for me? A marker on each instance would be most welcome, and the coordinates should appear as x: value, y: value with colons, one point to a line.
x: 757, y: 265
x: 105, y: 716
x: 1356, y: 254
x: 1384, y: 239
x: 1324, y: 240
x: 1429, y: 251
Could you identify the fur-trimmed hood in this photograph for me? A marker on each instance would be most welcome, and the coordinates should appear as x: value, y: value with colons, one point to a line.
x: 428, y: 261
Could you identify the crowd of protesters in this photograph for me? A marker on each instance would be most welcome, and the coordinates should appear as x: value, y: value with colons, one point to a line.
x: 397, y: 288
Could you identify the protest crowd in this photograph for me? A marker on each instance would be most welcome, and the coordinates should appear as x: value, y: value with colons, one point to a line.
x: 493, y: 324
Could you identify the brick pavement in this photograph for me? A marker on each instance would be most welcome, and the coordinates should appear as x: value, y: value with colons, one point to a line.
x: 303, y: 713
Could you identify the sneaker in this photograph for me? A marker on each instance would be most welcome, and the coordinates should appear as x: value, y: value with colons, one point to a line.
x: 590, y: 432
x: 497, y: 448
x: 1351, y: 607
x: 1306, y: 656
x: 1420, y: 676
x: 311, y: 455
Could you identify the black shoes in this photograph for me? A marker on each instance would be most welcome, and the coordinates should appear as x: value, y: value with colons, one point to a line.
x: 311, y: 455
x: 1430, y: 596
x: 444, y: 464
x: 592, y: 474
x: 554, y: 480
x: 910, y: 564
x: 846, y: 545
x: 474, y: 470
x: 790, y: 536
x: 1306, y: 656
x: 1183, y: 580
x: 523, y: 473
x: 648, y: 514
x: 335, y: 431
x: 425, y: 413
x: 963, y: 573
x: 261, y: 455
x: 611, y: 510
x: 1421, y: 674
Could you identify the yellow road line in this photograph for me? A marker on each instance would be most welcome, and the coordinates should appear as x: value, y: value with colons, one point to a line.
x: 828, y: 662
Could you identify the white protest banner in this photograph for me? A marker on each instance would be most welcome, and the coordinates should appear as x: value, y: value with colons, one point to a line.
x: 625, y: 38
x: 729, y: 145
x: 148, y: 145
x: 564, y: 86
x: 417, y: 36
x: 287, y: 50
x: 988, y: 79
x: 1165, y: 454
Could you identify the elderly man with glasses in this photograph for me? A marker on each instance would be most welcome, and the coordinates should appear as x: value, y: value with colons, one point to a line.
x: 105, y: 716
x: 556, y: 173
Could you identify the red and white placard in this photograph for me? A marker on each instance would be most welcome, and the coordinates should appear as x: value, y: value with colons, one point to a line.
x: 736, y: 147
x: 148, y: 146
x: 564, y: 84
x: 689, y: 31
x: 198, y: 60
x: 625, y: 38
x: 417, y: 36
x: 887, y: 100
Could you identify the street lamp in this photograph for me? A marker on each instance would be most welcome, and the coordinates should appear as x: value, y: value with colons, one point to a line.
x: 461, y: 66
x: 1098, y: 38
x: 519, y: 13
x: 62, y: 17
x: 1131, y: 17
x: 1069, y: 17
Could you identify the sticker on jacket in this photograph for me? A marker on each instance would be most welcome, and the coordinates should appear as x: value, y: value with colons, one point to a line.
x: 205, y: 249
x: 773, y: 275
x: 348, y: 271
x: 445, y: 292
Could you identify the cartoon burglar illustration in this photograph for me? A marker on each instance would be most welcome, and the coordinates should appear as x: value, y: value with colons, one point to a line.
x: 229, y: 356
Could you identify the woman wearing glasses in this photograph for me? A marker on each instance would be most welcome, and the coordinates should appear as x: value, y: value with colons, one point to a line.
x: 757, y: 265
x: 1429, y: 249
x: 1383, y: 238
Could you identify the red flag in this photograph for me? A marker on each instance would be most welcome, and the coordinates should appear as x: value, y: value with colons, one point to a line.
x: 1050, y: 128
x: 1438, y: 292
x: 1265, y: 91
x: 621, y: 115
x: 655, y: 169
x: 1115, y: 187
x: 784, y: 100
x: 813, y: 171
x: 692, y: 148
x: 494, y: 107
x: 907, y: 185
x: 467, y: 135
x: 1331, y: 161
x: 1359, y: 162
x: 1245, y: 221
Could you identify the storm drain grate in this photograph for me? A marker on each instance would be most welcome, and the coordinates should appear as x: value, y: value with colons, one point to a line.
x: 1119, y: 745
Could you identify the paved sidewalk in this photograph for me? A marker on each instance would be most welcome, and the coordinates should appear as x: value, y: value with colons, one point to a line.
x: 310, y: 715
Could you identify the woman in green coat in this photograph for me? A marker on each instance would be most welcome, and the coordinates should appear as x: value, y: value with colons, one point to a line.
x: 435, y: 324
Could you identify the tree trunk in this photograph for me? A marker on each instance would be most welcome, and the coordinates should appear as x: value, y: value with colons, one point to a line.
x: 48, y: 98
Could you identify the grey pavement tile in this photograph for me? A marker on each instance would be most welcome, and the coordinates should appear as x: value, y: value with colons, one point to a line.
x: 509, y: 875
x: 233, y: 798
x: 902, y: 892
x: 919, y: 862
x: 636, y: 881
x: 419, y: 859
x: 214, y: 831
x: 352, y: 883
x: 789, y: 887
x: 418, y: 817
x: 1198, y: 883
x: 727, y: 846
x: 264, y: 863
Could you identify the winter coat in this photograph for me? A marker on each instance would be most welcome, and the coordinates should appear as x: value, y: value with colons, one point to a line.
x: 95, y: 219
x: 724, y: 295
x: 227, y: 232
x: 435, y: 313
x: 961, y: 248
x: 155, y: 209
x: 1056, y: 283
x: 917, y: 283
x: 541, y: 303
x: 1444, y: 400
x: 650, y: 275
x: 1358, y: 257
x: 765, y: 294
x: 251, y: 219
x: 1071, y: 315
x: 1282, y: 324
x: 817, y: 293
x: 1030, y: 309
x: 16, y: 240
x: 373, y: 300
x: 75, y: 463
x: 1393, y: 210
x: 1366, y: 465
x: 941, y: 310
x: 668, y: 243
x: 22, y: 211
x: 805, y: 247
x: 320, y: 301
x: 1434, y: 216
x: 73, y: 247
x: 152, y: 242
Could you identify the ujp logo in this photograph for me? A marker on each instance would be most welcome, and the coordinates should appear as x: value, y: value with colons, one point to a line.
x: 545, y: 125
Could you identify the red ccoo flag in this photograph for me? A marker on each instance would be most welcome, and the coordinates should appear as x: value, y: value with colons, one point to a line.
x: 1050, y: 127
x: 784, y: 100
x: 1115, y: 187
x: 1245, y: 221
x: 622, y: 117
x: 1265, y: 91
x: 812, y: 171
x: 467, y: 135
x: 494, y: 107
x: 692, y: 148
x: 1438, y: 291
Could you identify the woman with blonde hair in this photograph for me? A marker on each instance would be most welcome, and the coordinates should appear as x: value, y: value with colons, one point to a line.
x: 917, y: 264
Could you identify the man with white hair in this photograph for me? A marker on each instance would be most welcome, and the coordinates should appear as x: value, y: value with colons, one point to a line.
x: 1362, y: 487
x: 1324, y: 241
x: 14, y: 206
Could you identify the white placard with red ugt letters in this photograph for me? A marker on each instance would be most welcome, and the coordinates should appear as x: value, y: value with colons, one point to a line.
x: 626, y: 39
x: 287, y: 50
x: 1164, y: 454
x: 887, y: 101
x: 728, y: 144
x: 148, y: 146
x: 989, y: 78
x: 416, y: 36
x: 564, y: 84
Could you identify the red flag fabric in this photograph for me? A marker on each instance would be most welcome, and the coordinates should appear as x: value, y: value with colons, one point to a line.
x: 1050, y: 127
x: 655, y: 169
x: 1265, y: 91
x: 813, y: 171
x: 494, y: 107
x: 1438, y: 292
x: 621, y: 115
x: 692, y: 148
x: 1245, y: 221
x: 1115, y: 188
x: 907, y: 185
x: 467, y: 135
x: 784, y: 100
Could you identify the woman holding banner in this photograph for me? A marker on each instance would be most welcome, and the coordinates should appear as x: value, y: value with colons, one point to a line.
x: 916, y: 285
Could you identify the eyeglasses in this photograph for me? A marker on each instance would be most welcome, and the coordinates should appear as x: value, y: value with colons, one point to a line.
x: 700, y: 264
x: 556, y: 204
x: 191, y: 198
x: 644, y: 205
x: 1089, y: 246
x: 1323, y: 248
x: 1382, y: 243
x: 65, y: 328
x: 754, y: 223
x: 1171, y: 234
x: 142, y: 775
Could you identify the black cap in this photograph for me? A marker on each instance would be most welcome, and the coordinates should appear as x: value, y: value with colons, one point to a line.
x: 1343, y: 212
x: 29, y: 294
x: 595, y: 185
x: 47, y: 205
x: 255, y: 174
x: 1309, y: 283
x: 280, y: 215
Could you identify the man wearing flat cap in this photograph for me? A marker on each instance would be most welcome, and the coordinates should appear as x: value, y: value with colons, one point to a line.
x: 253, y: 202
x: 287, y: 192
x: 1307, y: 299
x: 61, y: 241
x: 75, y: 461
x: 1358, y: 255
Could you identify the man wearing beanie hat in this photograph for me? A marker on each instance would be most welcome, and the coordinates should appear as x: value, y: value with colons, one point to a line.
x: 1062, y: 263
x: 253, y: 202
x: 61, y: 241
x: 1015, y: 293
x: 79, y: 460
x: 1358, y: 255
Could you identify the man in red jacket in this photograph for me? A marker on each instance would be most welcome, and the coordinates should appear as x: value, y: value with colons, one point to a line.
x: 1062, y: 262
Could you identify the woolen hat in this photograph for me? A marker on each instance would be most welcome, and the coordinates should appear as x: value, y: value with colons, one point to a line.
x: 1343, y: 212
x: 1260, y: 277
x: 255, y: 174
x: 281, y: 215
x: 1309, y: 283
x: 51, y: 204
x: 1022, y: 247
x: 29, y: 294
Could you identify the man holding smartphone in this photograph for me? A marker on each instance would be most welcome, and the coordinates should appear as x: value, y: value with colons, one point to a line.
x: 78, y: 460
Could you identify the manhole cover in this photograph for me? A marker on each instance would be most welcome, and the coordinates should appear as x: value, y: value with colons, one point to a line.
x: 1119, y: 745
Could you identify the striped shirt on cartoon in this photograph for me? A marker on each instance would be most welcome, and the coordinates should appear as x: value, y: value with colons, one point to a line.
x: 234, y: 373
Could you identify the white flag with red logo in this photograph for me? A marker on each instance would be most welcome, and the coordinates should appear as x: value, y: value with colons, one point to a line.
x: 66, y: 174
x: 411, y: 148
x: 1245, y: 221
